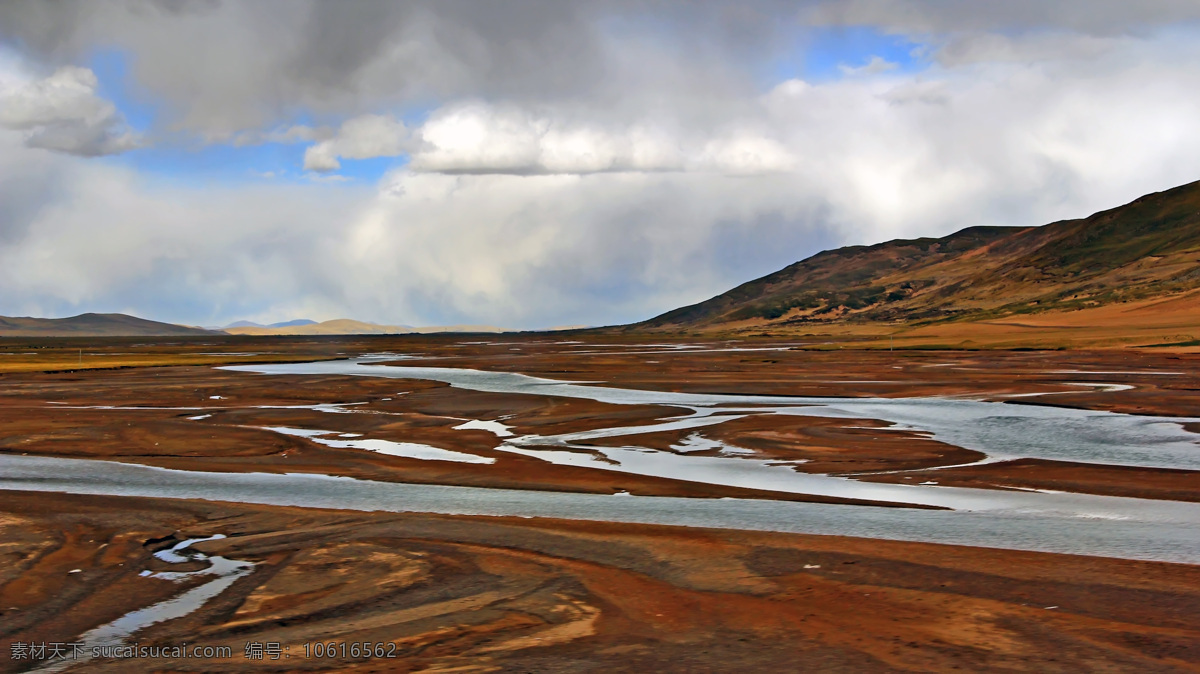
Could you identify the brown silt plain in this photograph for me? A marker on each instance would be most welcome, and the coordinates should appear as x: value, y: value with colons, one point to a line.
x: 503, y: 591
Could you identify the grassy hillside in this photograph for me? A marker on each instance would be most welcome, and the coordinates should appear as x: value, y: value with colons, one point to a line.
x: 1144, y: 250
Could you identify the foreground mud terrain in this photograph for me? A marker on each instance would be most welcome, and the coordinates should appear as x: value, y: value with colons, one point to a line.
x: 456, y: 593
x: 495, y: 594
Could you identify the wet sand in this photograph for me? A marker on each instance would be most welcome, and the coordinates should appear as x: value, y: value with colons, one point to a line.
x: 499, y: 594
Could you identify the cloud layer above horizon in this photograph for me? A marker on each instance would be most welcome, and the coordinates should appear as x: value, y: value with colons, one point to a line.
x: 532, y: 164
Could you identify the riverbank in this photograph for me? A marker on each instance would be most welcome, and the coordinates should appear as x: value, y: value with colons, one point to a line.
x: 509, y: 594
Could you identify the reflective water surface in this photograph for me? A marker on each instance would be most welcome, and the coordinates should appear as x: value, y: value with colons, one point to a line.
x: 1001, y: 430
x: 1082, y: 524
x: 117, y: 632
x: 1030, y: 520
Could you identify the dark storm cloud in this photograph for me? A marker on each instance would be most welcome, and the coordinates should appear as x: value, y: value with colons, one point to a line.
x: 1103, y: 17
x: 226, y: 67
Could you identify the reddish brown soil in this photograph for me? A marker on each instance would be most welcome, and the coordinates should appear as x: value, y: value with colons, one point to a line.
x: 840, y: 445
x: 496, y: 594
x: 800, y: 368
x: 1177, y: 485
x: 424, y: 412
x: 232, y: 439
x: 824, y: 445
x: 1165, y: 384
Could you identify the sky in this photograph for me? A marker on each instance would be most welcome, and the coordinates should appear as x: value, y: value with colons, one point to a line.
x: 541, y: 163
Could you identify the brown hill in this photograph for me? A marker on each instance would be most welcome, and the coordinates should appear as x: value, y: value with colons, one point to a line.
x: 93, y: 325
x: 1138, y: 253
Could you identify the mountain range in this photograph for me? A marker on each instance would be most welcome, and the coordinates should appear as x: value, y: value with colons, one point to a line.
x: 122, y: 325
x: 346, y: 326
x: 252, y: 324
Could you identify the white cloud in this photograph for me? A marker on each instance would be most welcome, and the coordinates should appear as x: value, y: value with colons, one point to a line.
x: 63, y: 113
x: 538, y: 228
x: 979, y: 47
x: 875, y: 66
x: 362, y: 137
x: 746, y: 153
x: 285, y: 135
x: 525, y: 206
x: 479, y: 138
x: 264, y: 61
x: 319, y: 177
x: 109, y: 239
x: 934, y: 16
x: 921, y: 91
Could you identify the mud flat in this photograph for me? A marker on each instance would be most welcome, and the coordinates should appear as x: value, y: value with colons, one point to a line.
x: 1156, y: 383
x: 1128, y: 481
x: 1091, y: 452
x: 193, y: 418
x: 982, y: 424
x: 502, y: 594
x: 819, y: 445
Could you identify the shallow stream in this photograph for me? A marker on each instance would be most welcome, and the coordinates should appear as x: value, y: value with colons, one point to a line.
x: 1048, y: 521
x: 1082, y: 524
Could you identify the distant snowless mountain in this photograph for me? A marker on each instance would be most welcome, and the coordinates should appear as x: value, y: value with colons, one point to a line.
x: 346, y: 326
x: 284, y: 324
x: 94, y: 325
x: 121, y: 325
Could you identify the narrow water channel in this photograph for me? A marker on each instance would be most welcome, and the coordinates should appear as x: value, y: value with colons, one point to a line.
x: 1088, y: 525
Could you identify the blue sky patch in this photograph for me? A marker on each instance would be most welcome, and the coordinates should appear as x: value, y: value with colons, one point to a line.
x: 175, y: 156
x: 118, y: 86
x: 820, y: 54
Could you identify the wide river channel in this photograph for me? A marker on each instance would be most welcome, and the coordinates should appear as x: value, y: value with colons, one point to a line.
x: 1024, y: 520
